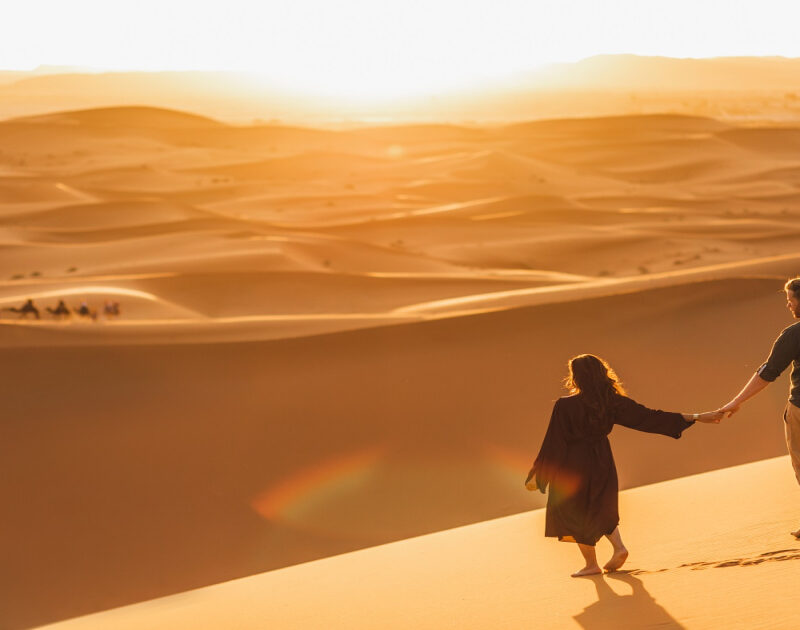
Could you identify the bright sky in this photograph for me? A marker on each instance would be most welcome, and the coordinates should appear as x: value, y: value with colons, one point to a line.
x: 383, y: 48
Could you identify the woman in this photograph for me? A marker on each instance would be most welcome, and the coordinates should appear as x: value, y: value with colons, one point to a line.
x: 575, y: 460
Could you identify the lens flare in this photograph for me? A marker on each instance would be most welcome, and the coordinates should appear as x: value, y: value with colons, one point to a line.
x: 288, y: 498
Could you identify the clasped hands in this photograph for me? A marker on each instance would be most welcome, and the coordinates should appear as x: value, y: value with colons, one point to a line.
x: 725, y: 411
x: 711, y: 417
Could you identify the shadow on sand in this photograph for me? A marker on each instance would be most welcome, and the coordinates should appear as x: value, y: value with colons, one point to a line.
x: 611, y: 610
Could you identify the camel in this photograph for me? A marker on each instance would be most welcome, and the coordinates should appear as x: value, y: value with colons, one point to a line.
x: 26, y: 309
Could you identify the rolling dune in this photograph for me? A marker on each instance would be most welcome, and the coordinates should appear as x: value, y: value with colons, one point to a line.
x: 26, y: 190
x: 331, y: 340
x: 104, y: 215
x: 222, y: 460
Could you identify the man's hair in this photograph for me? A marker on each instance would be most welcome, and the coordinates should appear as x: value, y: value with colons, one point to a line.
x: 793, y: 285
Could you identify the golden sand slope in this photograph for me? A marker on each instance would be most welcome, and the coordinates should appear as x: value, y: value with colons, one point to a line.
x: 125, y: 190
x: 423, y: 213
x: 707, y: 551
x: 145, y: 470
x: 310, y: 317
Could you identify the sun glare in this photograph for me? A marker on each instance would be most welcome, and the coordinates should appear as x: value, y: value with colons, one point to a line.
x: 358, y: 83
x: 363, y: 50
x: 384, y: 51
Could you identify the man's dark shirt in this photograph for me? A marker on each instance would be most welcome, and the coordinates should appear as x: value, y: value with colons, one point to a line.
x: 785, y: 350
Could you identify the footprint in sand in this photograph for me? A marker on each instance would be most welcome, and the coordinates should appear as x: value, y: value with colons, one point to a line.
x: 781, y: 555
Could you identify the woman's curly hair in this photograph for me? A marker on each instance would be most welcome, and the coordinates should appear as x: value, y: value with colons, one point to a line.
x: 596, y: 382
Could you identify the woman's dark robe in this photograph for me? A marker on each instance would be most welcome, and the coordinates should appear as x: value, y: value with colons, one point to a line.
x: 575, y: 461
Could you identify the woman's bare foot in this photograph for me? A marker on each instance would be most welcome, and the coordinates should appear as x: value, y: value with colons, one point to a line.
x: 620, y: 552
x: 588, y: 570
x: 617, y: 560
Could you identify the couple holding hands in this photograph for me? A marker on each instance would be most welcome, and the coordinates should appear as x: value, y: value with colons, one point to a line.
x: 575, y: 463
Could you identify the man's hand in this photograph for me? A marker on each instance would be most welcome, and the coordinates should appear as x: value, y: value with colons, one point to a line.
x: 731, y: 408
x: 754, y: 385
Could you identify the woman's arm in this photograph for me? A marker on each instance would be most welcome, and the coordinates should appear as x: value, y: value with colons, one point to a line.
x: 631, y: 414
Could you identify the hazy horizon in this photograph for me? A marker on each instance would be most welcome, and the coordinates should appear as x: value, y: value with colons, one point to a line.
x: 726, y: 88
x: 366, y: 52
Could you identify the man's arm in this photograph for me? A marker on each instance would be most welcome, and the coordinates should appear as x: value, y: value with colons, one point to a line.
x: 784, y: 350
x: 754, y: 385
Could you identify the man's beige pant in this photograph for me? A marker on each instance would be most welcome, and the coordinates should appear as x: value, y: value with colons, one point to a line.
x: 791, y: 420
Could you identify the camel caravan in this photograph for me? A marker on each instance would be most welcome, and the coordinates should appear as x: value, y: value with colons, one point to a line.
x: 111, y: 310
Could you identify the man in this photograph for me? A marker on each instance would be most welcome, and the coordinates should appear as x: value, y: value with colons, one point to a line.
x: 785, y: 350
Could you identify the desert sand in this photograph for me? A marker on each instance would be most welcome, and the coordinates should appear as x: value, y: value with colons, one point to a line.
x: 331, y: 340
x: 708, y: 551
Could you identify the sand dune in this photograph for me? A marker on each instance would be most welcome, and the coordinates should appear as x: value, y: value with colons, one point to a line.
x: 238, y: 293
x: 762, y: 270
x: 140, y: 179
x: 209, y: 438
x: 20, y: 190
x: 589, y: 197
x: 311, y: 316
x: 786, y: 175
x: 502, y: 573
x: 783, y: 143
x: 303, y: 167
x: 139, y: 305
x: 105, y: 215
x: 118, y: 118
x: 427, y: 134
x: 615, y: 127
x: 310, y: 211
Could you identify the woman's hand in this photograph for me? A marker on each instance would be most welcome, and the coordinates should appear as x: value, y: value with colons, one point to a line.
x: 530, y: 480
x: 710, y: 417
x: 731, y: 408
